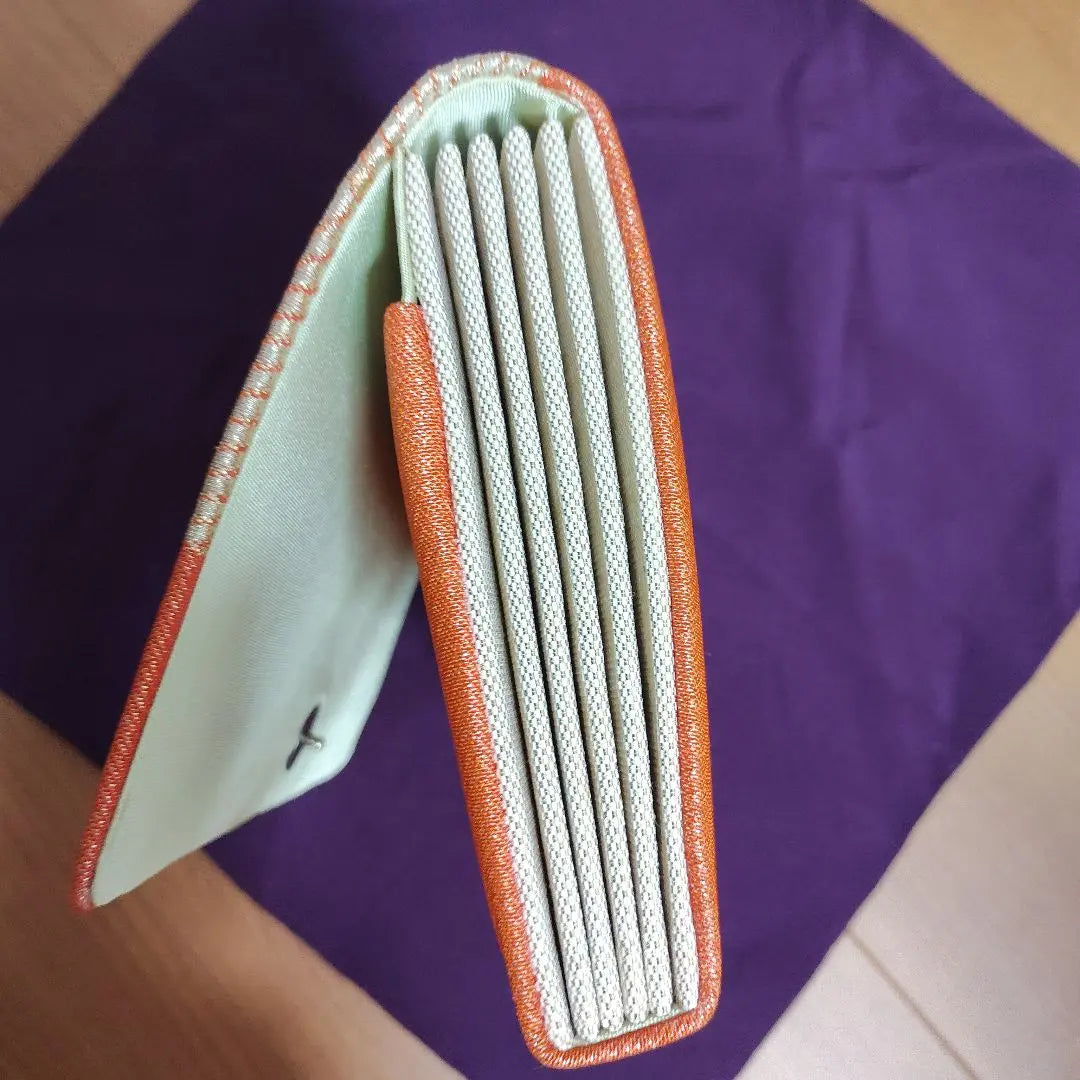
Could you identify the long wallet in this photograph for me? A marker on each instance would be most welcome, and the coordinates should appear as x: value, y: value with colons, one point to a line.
x: 481, y: 286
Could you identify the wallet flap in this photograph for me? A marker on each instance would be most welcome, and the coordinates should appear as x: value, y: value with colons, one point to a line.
x: 293, y: 580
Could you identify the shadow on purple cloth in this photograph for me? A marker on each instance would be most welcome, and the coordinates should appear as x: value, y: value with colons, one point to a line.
x: 870, y: 279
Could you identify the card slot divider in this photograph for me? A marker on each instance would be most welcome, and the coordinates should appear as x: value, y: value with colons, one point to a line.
x: 620, y: 349
x: 518, y: 395
x: 518, y: 603
x: 483, y: 599
x: 559, y: 447
x: 607, y: 515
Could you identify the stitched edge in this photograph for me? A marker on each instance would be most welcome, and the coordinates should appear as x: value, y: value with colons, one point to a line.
x: 307, y: 277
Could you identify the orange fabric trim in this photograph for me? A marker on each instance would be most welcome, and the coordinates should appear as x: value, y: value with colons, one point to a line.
x: 129, y: 731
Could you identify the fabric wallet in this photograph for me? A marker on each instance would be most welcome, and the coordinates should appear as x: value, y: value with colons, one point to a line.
x: 490, y: 237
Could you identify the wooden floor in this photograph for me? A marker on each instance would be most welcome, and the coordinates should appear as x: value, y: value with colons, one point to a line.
x: 965, y: 962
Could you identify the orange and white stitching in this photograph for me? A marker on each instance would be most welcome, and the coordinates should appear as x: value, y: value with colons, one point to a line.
x: 309, y: 267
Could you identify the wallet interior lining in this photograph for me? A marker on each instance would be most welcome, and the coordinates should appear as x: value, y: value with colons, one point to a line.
x: 530, y: 471
x: 571, y: 527
x: 482, y: 595
x: 300, y: 597
x: 620, y: 346
x: 562, y: 755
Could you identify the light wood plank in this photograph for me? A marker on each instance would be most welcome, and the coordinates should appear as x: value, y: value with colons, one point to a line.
x: 979, y: 917
x: 850, y: 1024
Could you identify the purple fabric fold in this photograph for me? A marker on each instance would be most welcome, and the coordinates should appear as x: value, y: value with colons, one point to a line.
x: 869, y: 279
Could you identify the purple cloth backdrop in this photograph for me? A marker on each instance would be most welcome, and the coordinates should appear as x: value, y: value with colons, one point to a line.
x: 870, y: 281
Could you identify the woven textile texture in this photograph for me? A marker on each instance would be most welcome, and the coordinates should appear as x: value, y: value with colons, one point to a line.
x: 868, y: 284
